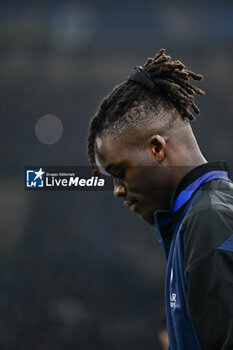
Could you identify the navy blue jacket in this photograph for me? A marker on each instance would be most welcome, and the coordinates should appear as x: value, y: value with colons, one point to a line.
x: 197, y: 238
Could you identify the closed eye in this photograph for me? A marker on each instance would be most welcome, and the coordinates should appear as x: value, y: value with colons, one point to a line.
x: 116, y: 171
x: 120, y: 174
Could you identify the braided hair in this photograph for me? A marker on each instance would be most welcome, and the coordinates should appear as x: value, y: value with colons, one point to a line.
x: 171, y: 80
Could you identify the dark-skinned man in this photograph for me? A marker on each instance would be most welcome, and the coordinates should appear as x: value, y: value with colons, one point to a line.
x: 142, y: 136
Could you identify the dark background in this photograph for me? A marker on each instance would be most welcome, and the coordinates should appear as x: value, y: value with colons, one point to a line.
x: 77, y: 270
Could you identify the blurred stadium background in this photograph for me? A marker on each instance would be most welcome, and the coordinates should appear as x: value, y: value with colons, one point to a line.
x: 77, y: 270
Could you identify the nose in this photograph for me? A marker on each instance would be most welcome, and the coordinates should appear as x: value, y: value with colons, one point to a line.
x: 119, y: 190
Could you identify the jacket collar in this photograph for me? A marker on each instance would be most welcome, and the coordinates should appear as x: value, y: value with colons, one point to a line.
x: 167, y: 220
x: 194, y: 179
x: 188, y: 186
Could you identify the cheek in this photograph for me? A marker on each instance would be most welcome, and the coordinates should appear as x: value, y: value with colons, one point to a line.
x: 151, y: 187
x: 144, y: 179
x: 135, y: 179
x: 157, y: 179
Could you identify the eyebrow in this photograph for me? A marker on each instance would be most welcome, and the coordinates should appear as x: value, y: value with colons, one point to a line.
x: 114, y: 167
x: 110, y: 167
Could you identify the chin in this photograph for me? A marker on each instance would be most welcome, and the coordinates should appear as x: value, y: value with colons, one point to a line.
x: 146, y: 212
x: 148, y: 217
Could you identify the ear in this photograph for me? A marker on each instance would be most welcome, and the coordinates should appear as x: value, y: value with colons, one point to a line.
x: 157, y: 147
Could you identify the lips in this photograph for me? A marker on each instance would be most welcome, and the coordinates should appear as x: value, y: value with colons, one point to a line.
x: 131, y: 204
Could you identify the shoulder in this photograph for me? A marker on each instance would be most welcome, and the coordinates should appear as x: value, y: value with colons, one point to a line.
x: 209, y: 222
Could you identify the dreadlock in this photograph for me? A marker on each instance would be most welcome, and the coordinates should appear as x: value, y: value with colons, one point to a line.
x: 171, y: 80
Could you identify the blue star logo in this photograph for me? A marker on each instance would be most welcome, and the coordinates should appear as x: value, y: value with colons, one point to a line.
x: 35, y: 178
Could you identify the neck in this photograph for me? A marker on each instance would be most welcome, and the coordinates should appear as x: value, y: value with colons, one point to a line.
x: 185, y: 156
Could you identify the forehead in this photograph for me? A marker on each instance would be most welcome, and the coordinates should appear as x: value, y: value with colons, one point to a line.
x: 111, y: 149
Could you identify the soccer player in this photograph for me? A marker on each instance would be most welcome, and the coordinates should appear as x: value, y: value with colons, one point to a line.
x: 141, y: 135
